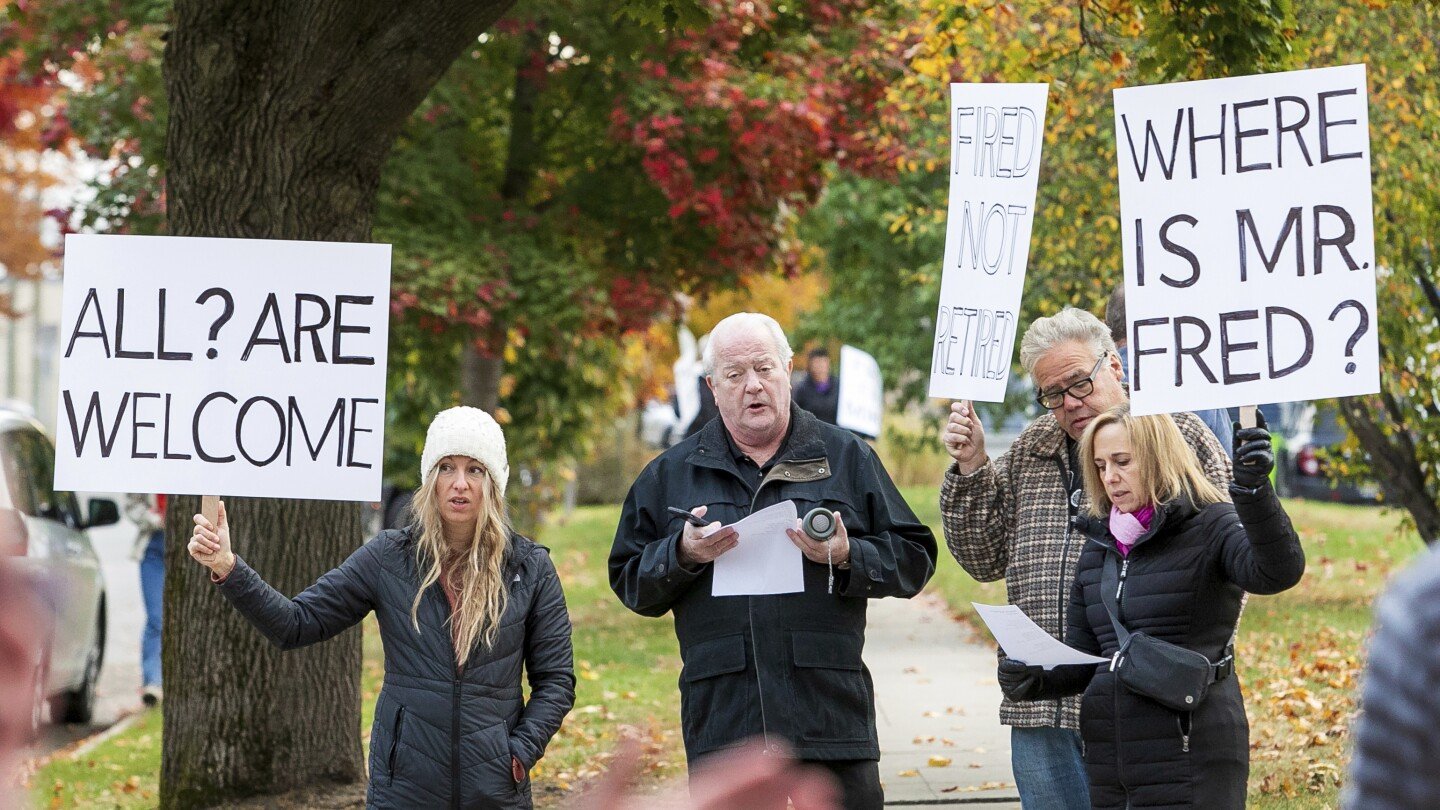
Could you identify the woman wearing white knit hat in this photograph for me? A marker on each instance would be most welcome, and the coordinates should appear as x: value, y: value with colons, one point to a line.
x: 462, y: 602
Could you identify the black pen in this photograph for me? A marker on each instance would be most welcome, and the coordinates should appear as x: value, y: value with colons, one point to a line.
x: 690, y: 517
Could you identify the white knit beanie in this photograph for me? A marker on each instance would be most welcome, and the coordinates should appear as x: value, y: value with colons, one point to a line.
x: 466, y: 431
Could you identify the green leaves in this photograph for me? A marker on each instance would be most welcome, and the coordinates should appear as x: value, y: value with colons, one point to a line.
x: 663, y: 14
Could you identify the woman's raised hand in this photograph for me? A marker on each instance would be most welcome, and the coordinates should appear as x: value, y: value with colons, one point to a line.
x: 210, y: 544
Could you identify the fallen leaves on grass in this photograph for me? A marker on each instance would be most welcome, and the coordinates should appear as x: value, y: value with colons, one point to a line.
x: 1301, y: 698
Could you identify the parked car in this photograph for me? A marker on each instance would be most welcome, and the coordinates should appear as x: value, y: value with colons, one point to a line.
x: 45, y: 533
x: 1305, y: 436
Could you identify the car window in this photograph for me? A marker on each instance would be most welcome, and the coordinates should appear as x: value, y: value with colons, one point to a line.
x: 39, y: 472
x: 64, y: 506
x: 14, y: 461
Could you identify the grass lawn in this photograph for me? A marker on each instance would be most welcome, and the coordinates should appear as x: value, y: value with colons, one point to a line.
x: 1299, y: 658
x: 1299, y: 652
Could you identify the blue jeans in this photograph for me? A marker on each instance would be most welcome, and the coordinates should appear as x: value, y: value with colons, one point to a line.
x: 152, y: 590
x: 1049, y: 770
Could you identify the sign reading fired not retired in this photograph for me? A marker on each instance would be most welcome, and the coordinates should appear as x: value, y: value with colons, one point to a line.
x: 223, y: 366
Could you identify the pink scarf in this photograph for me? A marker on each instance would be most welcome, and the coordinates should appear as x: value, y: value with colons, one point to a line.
x: 1127, y: 527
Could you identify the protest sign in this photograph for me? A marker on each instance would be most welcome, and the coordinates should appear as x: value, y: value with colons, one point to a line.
x: 996, y: 135
x: 862, y: 393
x: 223, y: 366
x: 1248, y: 238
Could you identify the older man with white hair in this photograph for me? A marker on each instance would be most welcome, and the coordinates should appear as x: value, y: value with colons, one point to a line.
x: 1009, y: 517
x: 787, y: 667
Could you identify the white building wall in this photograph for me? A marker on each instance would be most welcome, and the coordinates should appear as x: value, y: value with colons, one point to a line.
x: 30, y: 347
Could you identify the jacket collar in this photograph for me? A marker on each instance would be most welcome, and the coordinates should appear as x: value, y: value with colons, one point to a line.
x: 1048, y: 438
x: 712, y: 446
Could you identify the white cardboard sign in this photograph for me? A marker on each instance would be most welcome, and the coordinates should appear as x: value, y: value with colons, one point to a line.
x: 1248, y: 238
x: 223, y: 367
x: 862, y: 393
x: 997, y: 131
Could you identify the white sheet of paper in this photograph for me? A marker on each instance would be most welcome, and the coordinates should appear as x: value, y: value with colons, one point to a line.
x: 765, y: 562
x: 1024, y: 641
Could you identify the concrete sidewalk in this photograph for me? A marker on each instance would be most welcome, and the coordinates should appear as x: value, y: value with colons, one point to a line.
x: 936, y: 700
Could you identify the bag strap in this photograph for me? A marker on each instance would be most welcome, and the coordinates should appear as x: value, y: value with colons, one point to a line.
x: 1109, y: 596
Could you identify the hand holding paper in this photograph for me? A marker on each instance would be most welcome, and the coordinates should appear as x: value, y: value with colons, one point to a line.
x: 702, y: 544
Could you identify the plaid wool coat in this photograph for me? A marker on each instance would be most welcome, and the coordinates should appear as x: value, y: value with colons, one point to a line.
x: 1009, y: 519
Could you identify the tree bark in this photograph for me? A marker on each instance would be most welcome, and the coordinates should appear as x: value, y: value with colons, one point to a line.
x: 480, y: 378
x: 1393, y: 459
x: 480, y: 373
x: 281, y: 117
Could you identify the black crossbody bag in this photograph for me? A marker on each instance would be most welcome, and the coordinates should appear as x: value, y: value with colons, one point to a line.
x: 1171, y: 675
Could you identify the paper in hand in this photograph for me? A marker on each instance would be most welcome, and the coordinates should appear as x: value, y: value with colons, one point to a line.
x: 765, y: 561
x: 1024, y: 641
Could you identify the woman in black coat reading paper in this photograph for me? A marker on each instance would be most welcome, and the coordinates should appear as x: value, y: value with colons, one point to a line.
x: 1171, y: 561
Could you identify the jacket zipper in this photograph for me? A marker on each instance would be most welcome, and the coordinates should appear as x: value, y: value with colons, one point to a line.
x: 1068, y: 480
x: 1120, y: 589
x: 750, y: 614
x: 1115, y: 684
x: 395, y: 742
x: 455, y: 741
x: 455, y: 690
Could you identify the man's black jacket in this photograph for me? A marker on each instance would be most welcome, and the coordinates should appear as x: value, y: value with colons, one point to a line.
x: 811, y: 688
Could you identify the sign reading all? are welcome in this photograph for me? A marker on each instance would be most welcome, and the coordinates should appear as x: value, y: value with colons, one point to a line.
x: 223, y: 366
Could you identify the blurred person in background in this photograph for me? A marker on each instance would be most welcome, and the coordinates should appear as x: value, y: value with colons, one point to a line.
x: 148, y: 515
x: 1397, y: 738
x: 819, y: 391
x: 21, y: 628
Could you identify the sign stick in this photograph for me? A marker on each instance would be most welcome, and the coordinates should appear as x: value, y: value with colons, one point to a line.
x: 210, y: 508
x: 1247, y: 416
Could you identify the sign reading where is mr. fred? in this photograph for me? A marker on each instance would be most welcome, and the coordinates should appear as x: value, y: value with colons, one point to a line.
x: 236, y: 366
x: 997, y: 131
x: 1249, y: 240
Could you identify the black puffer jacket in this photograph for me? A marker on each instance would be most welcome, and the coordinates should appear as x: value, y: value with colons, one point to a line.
x: 1183, y: 582
x: 442, y: 737
x: 811, y: 688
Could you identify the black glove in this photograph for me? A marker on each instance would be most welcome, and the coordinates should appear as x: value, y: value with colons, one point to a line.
x: 1254, y: 457
x: 1020, y: 682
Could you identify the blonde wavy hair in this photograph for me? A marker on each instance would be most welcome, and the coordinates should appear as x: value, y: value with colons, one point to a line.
x: 1165, y: 462
x: 477, y: 572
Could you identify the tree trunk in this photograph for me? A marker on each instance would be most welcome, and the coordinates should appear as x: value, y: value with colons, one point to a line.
x: 480, y: 378
x: 480, y: 372
x: 241, y: 717
x: 281, y: 116
x: 1393, y: 459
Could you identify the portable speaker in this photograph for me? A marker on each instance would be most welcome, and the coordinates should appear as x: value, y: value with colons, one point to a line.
x: 819, y: 524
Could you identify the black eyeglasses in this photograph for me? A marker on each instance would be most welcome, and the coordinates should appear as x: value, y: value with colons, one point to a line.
x: 1079, y: 389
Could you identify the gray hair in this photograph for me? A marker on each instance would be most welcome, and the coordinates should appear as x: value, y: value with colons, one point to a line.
x: 745, y: 322
x: 1069, y: 325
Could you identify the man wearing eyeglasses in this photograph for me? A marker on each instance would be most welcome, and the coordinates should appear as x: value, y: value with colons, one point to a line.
x: 1009, y: 517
